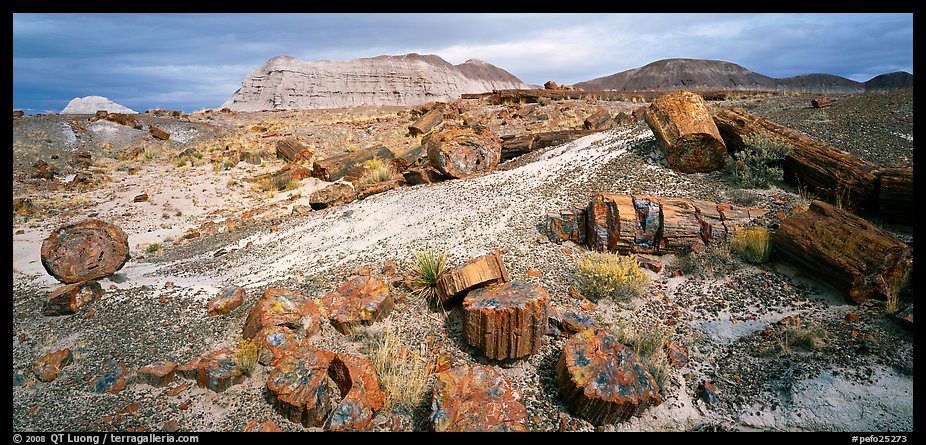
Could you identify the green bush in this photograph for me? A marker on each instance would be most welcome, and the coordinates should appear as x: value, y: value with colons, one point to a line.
x: 755, y: 165
x: 609, y: 275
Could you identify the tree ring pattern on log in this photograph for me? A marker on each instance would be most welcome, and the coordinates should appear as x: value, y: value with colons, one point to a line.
x: 85, y: 250
x: 602, y: 380
x: 299, y: 387
x: 506, y: 321
x: 473, y: 398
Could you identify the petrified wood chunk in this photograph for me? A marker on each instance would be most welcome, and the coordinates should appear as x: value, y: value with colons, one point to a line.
x: 48, y: 367
x: 123, y: 119
x: 565, y: 321
x: 333, y: 194
x: 895, y: 196
x: 266, y: 426
x: 218, y: 371
x: 829, y: 172
x: 480, y: 271
x: 68, y: 299
x: 462, y: 152
x: 567, y: 225
x: 157, y: 374
x: 473, y: 398
x: 684, y: 128
x: 424, y: 174
x: 366, y: 190
x: 292, y: 150
x: 227, y: 300
x: 280, y: 307
x: 358, y: 387
x: 427, y: 122
x: 273, y: 342
x: 515, y: 146
x: 602, y: 380
x: 350, y: 166
x: 361, y: 300
x: 507, y: 320
x: 821, y: 102
x: 598, y: 121
x: 112, y: 380
x: 85, y: 251
x: 158, y: 133
x: 845, y: 251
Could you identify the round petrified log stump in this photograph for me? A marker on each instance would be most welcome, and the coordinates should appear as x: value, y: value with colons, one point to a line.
x: 85, y: 251
x: 476, y: 398
x: 507, y: 320
x: 602, y: 380
x: 281, y: 307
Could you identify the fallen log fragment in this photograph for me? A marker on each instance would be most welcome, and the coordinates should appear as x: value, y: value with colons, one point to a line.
x: 895, y: 195
x: 515, y: 146
x: 683, y: 127
x: 507, y: 320
x: 291, y: 150
x: 598, y: 121
x: 350, y: 166
x: 845, y: 251
x: 426, y: 123
x: 487, y: 269
x: 476, y: 398
x: 821, y: 102
x: 462, y: 152
x: 828, y: 172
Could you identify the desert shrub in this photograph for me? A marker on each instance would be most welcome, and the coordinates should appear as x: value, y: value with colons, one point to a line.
x: 742, y: 198
x: 713, y: 261
x: 609, y: 275
x: 403, y: 375
x: 245, y: 356
x: 429, y: 265
x: 754, y: 166
x: 182, y: 161
x: 377, y: 171
x: 753, y: 244
x: 153, y: 247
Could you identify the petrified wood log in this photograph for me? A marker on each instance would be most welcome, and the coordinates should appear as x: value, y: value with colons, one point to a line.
x: 829, y: 172
x: 291, y: 150
x: 422, y: 175
x: 602, y: 380
x: 598, y: 120
x: 280, y: 307
x: 157, y: 374
x: 684, y: 128
x: 227, y: 300
x: 518, y: 145
x: 123, y: 119
x: 566, y: 321
x: 845, y: 251
x: 333, y: 194
x: 480, y: 271
x: 158, y: 133
x: 462, y: 152
x: 68, y: 299
x: 474, y: 398
x: 366, y: 190
x: 821, y: 102
x: 427, y: 122
x: 359, y: 392
x: 218, y: 371
x: 85, y: 251
x: 360, y: 301
x: 507, y: 320
x: 299, y: 387
x: 647, y: 224
x: 895, y: 196
x: 350, y: 166
x: 48, y: 367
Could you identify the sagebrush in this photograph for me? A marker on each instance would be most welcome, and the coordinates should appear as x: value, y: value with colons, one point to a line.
x: 246, y: 355
x: 756, y: 165
x: 609, y: 275
x: 377, y: 170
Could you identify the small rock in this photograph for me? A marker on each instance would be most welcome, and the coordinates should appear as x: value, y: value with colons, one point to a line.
x: 112, y: 380
x: 177, y: 389
x: 390, y: 269
x: 48, y: 367
x: 707, y: 392
x: 157, y: 374
x: 678, y: 355
x: 218, y: 371
x: 532, y: 273
x: 906, y: 315
x: 129, y: 409
x: 143, y: 197
x: 227, y: 300
x: 851, y: 316
x: 68, y: 299
x: 170, y: 426
x: 158, y: 133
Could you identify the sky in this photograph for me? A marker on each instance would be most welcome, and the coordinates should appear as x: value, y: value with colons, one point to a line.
x: 192, y: 61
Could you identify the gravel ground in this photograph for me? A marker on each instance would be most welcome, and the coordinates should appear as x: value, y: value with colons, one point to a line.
x: 729, y: 322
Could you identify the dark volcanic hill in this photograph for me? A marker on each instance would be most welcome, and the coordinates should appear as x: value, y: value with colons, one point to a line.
x: 285, y: 82
x: 890, y: 81
x: 698, y: 74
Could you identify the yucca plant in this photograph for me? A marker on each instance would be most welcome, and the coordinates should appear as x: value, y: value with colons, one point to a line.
x: 752, y: 243
x: 609, y: 275
x: 428, y: 267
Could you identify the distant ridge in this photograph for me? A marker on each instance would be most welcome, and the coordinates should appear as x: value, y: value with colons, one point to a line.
x: 285, y: 82
x: 890, y: 81
x: 695, y: 74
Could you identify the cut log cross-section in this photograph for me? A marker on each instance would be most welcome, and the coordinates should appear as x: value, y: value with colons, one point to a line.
x: 684, y: 128
x: 506, y: 321
x: 480, y: 271
x: 824, y: 170
x: 84, y: 251
x: 463, y: 152
x: 845, y: 251
x: 476, y: 398
x: 602, y: 380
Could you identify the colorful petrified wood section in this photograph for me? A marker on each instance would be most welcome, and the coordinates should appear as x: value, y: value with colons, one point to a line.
x: 479, y: 271
x: 602, y: 380
x: 507, y: 320
x: 84, y: 251
x: 476, y: 398
x: 280, y: 307
x: 360, y: 301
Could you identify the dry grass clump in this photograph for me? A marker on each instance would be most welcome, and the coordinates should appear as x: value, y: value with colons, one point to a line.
x: 403, y: 375
x: 752, y: 243
x: 648, y: 343
x: 609, y: 275
x: 245, y: 356
x: 377, y: 171
x: 795, y: 333
x: 428, y: 267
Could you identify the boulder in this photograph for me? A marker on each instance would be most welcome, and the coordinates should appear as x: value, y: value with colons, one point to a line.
x: 480, y: 271
x: 85, y: 251
x: 280, y: 307
x: 49, y: 366
x: 112, y: 380
x: 68, y: 299
x: 476, y: 398
x: 462, y: 152
x: 602, y: 380
x: 350, y: 166
x: 821, y: 102
x: 684, y: 128
x: 422, y: 175
x: 507, y: 320
x: 227, y: 300
x: 334, y: 194
x: 360, y: 301
x: 157, y: 374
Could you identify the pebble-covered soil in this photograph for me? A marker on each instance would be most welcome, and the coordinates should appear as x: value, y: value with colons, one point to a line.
x: 734, y: 321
